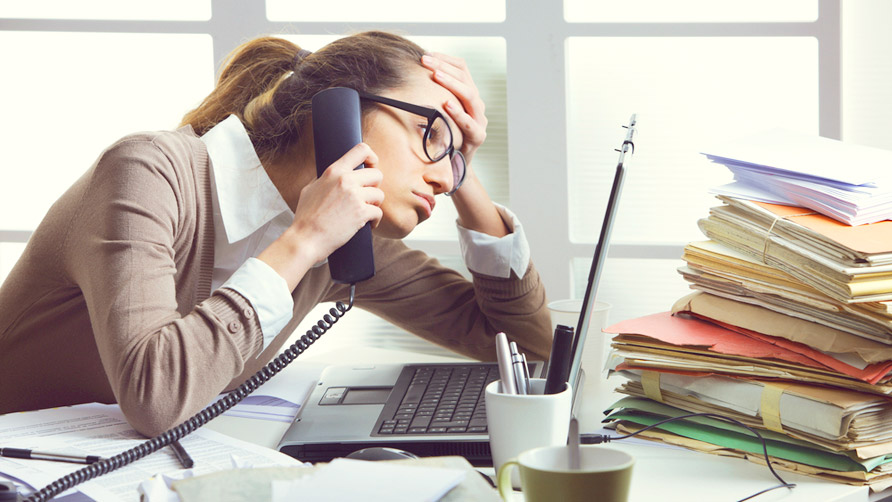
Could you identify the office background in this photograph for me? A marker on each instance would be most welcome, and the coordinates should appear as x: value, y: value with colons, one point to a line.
x: 559, y: 79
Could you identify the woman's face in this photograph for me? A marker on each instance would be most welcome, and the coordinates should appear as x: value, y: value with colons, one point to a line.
x: 411, y: 180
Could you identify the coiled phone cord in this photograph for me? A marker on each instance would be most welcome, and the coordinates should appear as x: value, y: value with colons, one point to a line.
x: 202, y: 417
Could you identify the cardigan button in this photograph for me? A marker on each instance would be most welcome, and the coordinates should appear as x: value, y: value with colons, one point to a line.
x: 248, y: 313
x: 235, y: 327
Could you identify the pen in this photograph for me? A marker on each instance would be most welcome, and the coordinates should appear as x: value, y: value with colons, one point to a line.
x: 559, y: 360
x: 517, y: 365
x: 526, y: 373
x: 55, y: 457
x: 182, y: 455
x: 506, y: 373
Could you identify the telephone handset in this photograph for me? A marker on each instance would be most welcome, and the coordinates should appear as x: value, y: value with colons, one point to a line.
x: 336, y: 129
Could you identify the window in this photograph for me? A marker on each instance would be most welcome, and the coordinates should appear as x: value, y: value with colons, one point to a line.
x: 77, y: 94
x: 559, y: 79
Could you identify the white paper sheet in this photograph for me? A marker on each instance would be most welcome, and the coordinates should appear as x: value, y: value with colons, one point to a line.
x: 98, y: 429
x: 345, y: 479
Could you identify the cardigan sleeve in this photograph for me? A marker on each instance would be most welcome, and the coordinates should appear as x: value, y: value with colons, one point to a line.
x: 131, y: 246
x: 417, y: 293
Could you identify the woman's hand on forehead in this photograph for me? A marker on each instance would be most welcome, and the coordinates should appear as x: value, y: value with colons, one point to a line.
x: 467, y: 109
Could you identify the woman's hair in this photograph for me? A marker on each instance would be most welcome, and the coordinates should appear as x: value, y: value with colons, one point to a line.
x: 257, y: 84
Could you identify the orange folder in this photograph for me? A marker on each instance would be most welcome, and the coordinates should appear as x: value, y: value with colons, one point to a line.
x: 732, y: 340
x: 873, y: 238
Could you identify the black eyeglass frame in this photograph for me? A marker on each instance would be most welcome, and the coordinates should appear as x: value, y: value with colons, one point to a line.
x: 431, y: 114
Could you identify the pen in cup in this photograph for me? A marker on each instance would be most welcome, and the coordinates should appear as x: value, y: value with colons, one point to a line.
x: 182, y: 455
x: 506, y: 371
x: 54, y: 457
x: 517, y: 366
x: 559, y: 360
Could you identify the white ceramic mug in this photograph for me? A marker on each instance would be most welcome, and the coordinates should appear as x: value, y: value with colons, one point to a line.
x: 520, y: 422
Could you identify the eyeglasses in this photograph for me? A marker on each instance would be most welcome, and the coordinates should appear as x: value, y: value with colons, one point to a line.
x: 437, y: 136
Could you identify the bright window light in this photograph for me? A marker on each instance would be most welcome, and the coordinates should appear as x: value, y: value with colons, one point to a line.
x: 396, y: 11
x: 156, y: 10
x: 71, y: 95
x: 690, y: 11
x: 688, y: 93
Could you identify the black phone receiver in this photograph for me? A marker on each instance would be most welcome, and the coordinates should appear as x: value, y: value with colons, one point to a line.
x: 337, y: 128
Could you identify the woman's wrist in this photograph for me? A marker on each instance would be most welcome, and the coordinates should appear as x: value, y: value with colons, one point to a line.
x: 476, y: 210
x: 290, y: 256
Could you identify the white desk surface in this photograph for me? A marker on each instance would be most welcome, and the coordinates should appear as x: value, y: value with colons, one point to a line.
x: 661, y: 472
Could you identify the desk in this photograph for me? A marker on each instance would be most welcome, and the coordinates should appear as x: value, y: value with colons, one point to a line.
x: 661, y: 472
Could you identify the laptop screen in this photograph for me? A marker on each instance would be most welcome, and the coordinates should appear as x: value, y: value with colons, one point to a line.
x: 594, y: 275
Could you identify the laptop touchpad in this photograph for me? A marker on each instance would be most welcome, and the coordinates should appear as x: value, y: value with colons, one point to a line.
x: 377, y: 395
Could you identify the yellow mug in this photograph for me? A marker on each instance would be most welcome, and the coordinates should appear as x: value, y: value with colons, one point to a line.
x: 604, y: 475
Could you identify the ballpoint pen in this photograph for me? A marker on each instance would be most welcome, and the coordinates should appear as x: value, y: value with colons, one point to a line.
x: 54, y: 457
x: 182, y: 455
x: 526, y: 373
x: 506, y: 372
x: 517, y: 365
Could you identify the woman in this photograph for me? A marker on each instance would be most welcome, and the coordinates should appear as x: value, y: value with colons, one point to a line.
x: 179, y: 264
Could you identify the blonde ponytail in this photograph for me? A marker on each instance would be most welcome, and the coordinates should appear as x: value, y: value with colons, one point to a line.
x: 269, y: 82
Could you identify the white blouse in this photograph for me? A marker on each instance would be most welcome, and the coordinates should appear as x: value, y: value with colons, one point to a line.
x: 250, y: 213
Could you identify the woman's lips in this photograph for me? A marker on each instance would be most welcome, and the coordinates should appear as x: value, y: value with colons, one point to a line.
x: 427, y: 202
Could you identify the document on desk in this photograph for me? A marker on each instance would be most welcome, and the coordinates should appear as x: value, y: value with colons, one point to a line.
x: 369, y: 481
x: 98, y: 429
x: 279, y: 399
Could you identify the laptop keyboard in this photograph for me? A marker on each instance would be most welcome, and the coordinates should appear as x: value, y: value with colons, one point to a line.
x: 438, y: 400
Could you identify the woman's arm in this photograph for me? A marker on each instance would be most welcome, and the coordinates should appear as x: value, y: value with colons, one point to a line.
x: 473, y: 204
x: 135, y: 251
x: 417, y: 293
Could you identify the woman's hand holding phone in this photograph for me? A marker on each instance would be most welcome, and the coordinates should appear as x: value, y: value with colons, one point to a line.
x: 330, y: 210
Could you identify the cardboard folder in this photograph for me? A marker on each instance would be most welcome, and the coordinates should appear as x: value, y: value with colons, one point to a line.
x: 863, y: 240
x: 697, y: 335
x: 835, y: 419
x: 718, y: 438
x: 826, y: 264
x: 768, y: 322
x: 722, y: 271
x: 691, y: 346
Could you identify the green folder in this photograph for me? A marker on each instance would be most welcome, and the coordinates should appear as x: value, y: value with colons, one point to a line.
x: 718, y: 432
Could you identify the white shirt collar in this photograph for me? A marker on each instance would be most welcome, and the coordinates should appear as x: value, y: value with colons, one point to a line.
x: 247, y: 198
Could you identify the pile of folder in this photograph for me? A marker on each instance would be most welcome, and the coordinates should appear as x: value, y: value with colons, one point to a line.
x: 788, y: 331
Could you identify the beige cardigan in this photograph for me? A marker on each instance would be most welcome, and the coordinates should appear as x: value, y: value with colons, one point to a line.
x: 111, y: 299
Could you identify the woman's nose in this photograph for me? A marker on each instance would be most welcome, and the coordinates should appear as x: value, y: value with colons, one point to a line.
x: 439, y: 175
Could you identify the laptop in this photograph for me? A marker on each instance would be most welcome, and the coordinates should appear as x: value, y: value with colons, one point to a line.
x: 429, y: 409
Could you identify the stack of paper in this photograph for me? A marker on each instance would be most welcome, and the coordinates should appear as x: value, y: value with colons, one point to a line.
x: 720, y: 437
x: 789, y: 330
x: 721, y: 271
x: 849, y: 183
x: 824, y: 414
x: 849, y: 264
